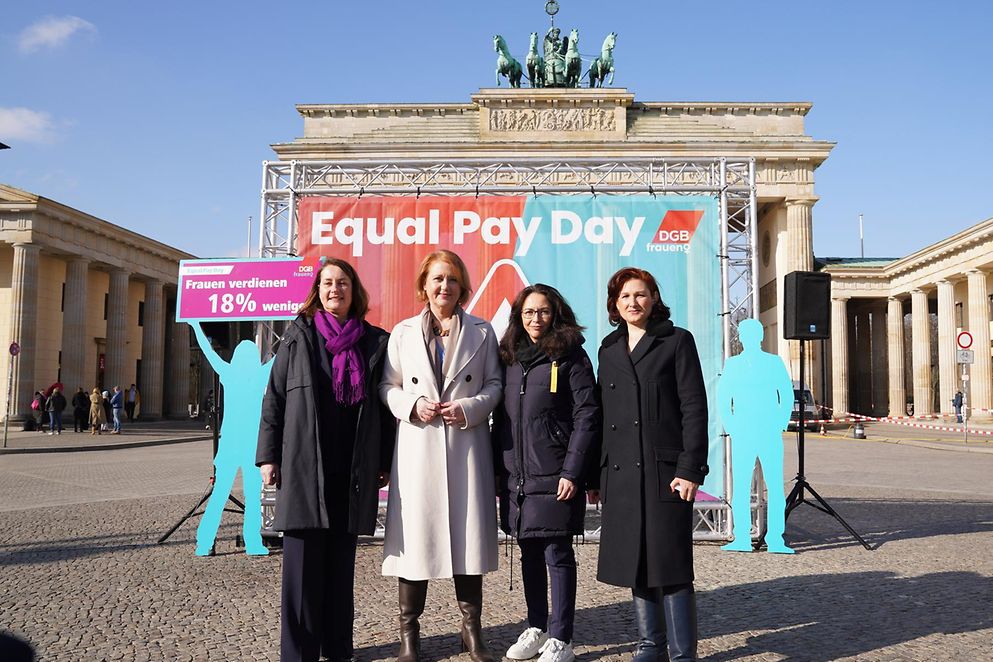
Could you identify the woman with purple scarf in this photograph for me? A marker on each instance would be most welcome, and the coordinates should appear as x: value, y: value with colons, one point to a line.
x: 326, y: 444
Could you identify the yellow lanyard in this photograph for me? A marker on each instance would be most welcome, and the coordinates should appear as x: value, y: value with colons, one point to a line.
x: 555, y: 377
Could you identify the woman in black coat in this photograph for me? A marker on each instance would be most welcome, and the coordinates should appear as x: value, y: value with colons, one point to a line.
x: 326, y: 444
x: 546, y: 425
x: 653, y: 460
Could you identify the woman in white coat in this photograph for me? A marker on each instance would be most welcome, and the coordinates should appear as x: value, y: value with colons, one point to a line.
x: 441, y: 380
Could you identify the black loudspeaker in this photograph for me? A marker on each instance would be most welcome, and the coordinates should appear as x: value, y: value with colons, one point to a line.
x: 807, y: 306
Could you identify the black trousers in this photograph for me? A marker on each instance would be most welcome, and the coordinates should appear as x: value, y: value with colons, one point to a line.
x: 80, y: 420
x: 318, y: 603
x: 541, y: 558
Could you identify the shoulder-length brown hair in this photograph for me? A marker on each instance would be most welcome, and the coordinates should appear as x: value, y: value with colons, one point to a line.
x: 660, y: 311
x: 454, y: 261
x: 360, y: 298
x: 563, y: 334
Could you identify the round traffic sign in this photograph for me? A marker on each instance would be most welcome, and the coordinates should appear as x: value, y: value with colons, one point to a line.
x: 965, y: 340
x: 15, y: 349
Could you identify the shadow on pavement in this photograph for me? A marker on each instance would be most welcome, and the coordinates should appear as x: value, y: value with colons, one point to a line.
x: 881, y: 521
x: 827, y: 617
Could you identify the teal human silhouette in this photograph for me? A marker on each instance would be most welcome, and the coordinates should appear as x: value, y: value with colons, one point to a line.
x: 755, y: 400
x: 244, y: 380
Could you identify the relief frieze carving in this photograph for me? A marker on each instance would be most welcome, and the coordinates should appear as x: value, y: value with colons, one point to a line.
x: 552, y: 119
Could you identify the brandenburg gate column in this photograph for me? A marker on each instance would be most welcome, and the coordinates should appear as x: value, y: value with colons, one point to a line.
x: 152, y: 350
x: 894, y: 332
x: 117, y: 312
x: 74, y: 327
x: 839, y: 356
x: 979, y: 327
x: 800, y: 257
x: 947, y: 380
x: 179, y: 368
x: 24, y: 325
x: 921, y: 352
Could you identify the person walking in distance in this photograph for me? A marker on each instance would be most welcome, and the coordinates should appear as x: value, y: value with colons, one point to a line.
x: 80, y: 410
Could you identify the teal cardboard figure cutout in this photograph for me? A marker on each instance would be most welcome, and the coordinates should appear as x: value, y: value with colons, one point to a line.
x: 244, y: 380
x: 755, y: 399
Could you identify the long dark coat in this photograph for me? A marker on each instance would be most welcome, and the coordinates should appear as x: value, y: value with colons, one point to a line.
x: 654, y: 429
x: 289, y: 433
x: 541, y: 437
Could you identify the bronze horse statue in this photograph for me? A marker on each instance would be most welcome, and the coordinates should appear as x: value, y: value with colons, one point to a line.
x: 605, y: 63
x: 535, y: 64
x: 573, y: 61
x: 506, y: 64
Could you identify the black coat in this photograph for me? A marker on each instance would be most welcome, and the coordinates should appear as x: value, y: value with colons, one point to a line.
x: 654, y: 429
x: 289, y: 434
x: 541, y: 437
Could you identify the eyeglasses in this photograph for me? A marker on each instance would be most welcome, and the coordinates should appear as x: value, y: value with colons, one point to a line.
x: 544, y: 313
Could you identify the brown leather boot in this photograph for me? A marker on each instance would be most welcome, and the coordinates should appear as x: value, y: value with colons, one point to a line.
x: 469, y: 593
x: 412, y: 597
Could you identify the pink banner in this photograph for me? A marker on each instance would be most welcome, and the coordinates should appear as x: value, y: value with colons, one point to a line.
x: 239, y: 290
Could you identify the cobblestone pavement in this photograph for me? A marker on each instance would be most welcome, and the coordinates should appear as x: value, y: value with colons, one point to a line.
x: 82, y: 579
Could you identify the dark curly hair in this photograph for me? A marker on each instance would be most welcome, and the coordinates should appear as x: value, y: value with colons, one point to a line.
x: 660, y: 311
x: 564, y: 333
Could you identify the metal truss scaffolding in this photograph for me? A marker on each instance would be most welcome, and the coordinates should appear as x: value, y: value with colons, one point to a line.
x: 731, y: 181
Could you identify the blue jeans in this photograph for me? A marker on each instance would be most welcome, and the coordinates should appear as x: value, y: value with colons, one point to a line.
x: 117, y: 419
x: 55, y: 421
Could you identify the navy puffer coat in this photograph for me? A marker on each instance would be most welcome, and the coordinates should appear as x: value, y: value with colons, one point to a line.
x: 542, y: 436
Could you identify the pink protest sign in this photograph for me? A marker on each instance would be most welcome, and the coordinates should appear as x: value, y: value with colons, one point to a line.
x: 240, y: 290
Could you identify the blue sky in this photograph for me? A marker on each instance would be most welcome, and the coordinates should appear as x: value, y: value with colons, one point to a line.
x: 157, y: 116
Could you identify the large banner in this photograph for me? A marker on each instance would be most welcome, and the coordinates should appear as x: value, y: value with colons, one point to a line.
x: 574, y: 243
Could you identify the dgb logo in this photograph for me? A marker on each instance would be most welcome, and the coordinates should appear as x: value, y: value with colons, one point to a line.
x: 305, y: 268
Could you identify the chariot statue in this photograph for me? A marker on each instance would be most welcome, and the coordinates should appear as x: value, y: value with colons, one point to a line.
x: 558, y: 63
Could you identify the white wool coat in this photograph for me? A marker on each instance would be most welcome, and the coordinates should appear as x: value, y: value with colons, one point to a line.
x: 441, y: 512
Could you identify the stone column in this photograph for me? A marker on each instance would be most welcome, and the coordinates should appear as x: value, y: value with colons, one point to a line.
x: 839, y: 356
x: 921, y: 352
x: 799, y: 234
x: 117, y: 332
x: 179, y: 368
x: 24, y: 326
x: 799, y: 257
x: 74, y: 327
x: 152, y: 351
x: 947, y: 379
x: 979, y: 327
x: 894, y: 327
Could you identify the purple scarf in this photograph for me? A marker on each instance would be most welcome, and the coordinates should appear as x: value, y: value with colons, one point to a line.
x: 347, y: 366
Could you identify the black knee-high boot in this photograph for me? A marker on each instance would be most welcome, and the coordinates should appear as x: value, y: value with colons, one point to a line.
x: 469, y: 593
x: 680, y: 622
x: 412, y: 597
x: 651, y: 646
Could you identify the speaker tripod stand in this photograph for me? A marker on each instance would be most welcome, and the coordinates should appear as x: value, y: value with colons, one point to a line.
x: 801, y: 487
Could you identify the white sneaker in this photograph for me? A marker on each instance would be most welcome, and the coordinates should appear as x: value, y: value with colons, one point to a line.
x: 529, y: 644
x: 556, y: 650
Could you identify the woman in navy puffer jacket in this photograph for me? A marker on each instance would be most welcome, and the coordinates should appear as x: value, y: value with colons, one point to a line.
x: 548, y: 421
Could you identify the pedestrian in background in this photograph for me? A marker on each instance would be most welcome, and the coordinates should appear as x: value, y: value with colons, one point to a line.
x: 98, y: 411
x: 957, y: 404
x: 654, y: 458
x: 80, y: 410
x: 325, y: 442
x: 442, y: 381
x: 38, y: 411
x: 107, y: 415
x: 55, y: 405
x: 117, y: 405
x: 548, y: 421
x: 132, y: 403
